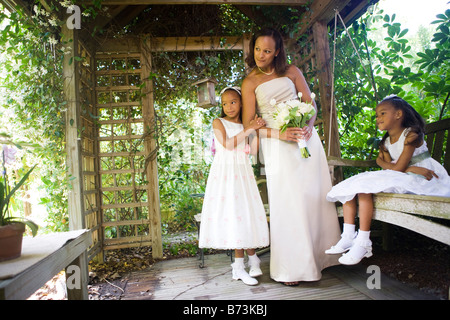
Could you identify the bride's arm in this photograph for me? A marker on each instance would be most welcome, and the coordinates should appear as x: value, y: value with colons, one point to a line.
x: 249, y: 110
x: 297, y: 77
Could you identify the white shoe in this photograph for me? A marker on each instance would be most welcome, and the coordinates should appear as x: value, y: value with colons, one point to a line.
x: 343, y: 245
x: 239, y: 273
x: 254, y: 262
x: 359, y: 251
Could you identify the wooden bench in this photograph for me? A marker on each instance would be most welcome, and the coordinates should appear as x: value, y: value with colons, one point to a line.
x: 42, y: 258
x: 414, y: 211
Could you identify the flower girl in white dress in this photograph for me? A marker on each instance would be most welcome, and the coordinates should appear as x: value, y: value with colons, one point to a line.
x: 233, y: 215
x: 407, y: 168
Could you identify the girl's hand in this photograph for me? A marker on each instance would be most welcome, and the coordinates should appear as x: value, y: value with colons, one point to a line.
x: 427, y: 173
x: 257, y: 123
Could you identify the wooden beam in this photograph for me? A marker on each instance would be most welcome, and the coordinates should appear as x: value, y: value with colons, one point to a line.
x: 320, y: 10
x: 323, y: 58
x: 174, y: 44
x: 73, y: 141
x: 102, y: 20
x: 11, y: 6
x: 197, y: 44
x: 190, y: 2
x: 417, y: 224
x: 127, y: 15
x: 246, y: 49
x: 151, y: 166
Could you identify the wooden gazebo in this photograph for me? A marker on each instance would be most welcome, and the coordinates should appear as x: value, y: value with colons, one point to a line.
x: 110, y: 146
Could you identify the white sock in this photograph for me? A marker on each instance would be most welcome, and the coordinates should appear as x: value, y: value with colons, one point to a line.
x: 363, y: 236
x: 349, y: 229
x: 348, y: 234
x: 253, y: 259
x: 361, y: 242
x: 239, y: 261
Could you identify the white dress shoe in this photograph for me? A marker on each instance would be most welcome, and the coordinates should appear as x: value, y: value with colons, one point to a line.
x: 254, y: 263
x: 344, y: 244
x: 239, y: 273
x: 358, y: 251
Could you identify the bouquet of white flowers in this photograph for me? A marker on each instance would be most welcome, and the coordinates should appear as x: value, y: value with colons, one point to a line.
x: 294, y: 113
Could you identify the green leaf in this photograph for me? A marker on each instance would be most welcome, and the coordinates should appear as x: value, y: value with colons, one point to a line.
x: 405, y: 31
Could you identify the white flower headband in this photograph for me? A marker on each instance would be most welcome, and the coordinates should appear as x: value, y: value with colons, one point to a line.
x: 237, y: 89
x: 391, y: 96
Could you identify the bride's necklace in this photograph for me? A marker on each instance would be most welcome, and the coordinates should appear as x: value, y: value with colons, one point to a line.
x: 267, y: 74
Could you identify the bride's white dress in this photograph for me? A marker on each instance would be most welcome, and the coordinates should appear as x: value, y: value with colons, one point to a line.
x: 303, y: 224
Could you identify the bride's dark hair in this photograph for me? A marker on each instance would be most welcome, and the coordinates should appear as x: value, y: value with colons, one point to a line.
x: 411, y: 119
x: 280, y: 60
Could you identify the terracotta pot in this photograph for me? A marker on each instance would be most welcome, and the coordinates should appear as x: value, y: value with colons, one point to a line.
x: 11, y: 241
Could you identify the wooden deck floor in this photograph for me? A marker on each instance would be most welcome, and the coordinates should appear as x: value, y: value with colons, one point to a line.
x: 182, y: 279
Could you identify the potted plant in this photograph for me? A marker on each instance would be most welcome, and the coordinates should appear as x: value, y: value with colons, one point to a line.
x: 11, y: 228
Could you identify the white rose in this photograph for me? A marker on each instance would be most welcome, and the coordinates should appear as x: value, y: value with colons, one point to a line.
x: 305, y: 108
x: 292, y: 103
x: 283, y: 113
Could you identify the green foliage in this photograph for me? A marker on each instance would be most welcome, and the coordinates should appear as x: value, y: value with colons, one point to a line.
x: 32, y: 101
x: 6, y: 194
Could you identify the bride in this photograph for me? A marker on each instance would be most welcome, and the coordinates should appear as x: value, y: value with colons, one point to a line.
x: 303, y: 224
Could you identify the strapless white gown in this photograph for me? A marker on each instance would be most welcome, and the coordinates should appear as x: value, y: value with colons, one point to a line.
x: 303, y: 224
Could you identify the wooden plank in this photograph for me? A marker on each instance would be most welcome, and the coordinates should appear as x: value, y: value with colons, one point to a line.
x: 151, y: 166
x: 210, y: 2
x: 172, y: 44
x: 336, y: 161
x: 322, y: 52
x: 125, y: 223
x: 182, y: 279
x: 320, y: 11
x: 73, y: 147
x: 391, y: 289
x: 38, y: 273
x: 124, y: 205
x: 427, y: 228
x: 437, y: 207
x: 122, y: 154
x: 438, y: 126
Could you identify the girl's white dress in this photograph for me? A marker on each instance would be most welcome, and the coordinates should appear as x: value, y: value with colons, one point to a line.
x: 302, y: 223
x: 396, y: 181
x: 233, y: 215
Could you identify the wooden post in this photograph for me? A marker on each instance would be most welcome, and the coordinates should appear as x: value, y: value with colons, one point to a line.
x: 148, y: 111
x: 323, y: 59
x: 73, y: 140
x: 80, y: 293
x: 246, y: 48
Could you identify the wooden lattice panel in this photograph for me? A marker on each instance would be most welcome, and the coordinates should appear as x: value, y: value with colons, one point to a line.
x: 122, y: 154
x: 89, y: 149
